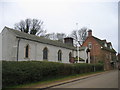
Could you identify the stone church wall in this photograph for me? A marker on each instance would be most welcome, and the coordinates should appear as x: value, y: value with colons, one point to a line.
x: 10, y: 49
x: 36, y: 51
x: 8, y: 46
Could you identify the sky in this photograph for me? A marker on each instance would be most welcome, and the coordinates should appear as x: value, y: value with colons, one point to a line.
x: 62, y: 15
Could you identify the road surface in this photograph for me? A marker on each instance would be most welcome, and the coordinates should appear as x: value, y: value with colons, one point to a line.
x: 106, y: 80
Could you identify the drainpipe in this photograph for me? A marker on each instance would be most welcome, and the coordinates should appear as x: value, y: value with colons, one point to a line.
x: 18, y: 48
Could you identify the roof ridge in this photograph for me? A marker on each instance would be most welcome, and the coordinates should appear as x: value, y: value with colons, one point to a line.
x: 30, y: 34
x: 101, y: 42
x: 96, y: 38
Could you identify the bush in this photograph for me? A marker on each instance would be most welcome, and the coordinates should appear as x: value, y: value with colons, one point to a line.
x: 16, y: 73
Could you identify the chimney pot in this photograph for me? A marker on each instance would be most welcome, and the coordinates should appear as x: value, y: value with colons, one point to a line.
x: 89, y: 32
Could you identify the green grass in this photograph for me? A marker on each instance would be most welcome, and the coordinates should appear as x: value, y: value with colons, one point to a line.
x: 51, y: 80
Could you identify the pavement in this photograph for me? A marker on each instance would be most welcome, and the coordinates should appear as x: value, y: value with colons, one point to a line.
x: 61, y: 82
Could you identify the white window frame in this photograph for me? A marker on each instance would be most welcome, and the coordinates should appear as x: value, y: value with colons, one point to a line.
x: 90, y: 45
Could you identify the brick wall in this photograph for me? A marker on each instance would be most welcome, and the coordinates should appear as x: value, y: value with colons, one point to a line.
x: 97, y: 54
x: 95, y: 49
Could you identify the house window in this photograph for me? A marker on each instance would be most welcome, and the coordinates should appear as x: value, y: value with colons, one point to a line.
x: 27, y: 51
x: 90, y: 45
x: 107, y: 56
x: 59, y: 55
x: 45, y: 53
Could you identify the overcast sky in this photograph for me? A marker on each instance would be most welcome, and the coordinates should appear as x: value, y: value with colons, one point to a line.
x: 62, y: 15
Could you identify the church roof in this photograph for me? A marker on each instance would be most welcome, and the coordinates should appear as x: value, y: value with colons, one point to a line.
x: 39, y: 39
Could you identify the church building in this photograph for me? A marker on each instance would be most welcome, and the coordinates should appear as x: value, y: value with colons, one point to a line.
x: 20, y: 46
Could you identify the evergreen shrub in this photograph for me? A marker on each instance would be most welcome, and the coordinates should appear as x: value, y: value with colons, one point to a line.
x: 22, y: 72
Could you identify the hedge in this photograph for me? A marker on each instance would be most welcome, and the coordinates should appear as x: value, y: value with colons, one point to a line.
x: 22, y: 72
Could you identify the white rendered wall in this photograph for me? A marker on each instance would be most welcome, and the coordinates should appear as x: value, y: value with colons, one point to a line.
x: 36, y: 51
x: 83, y: 55
x: 9, y: 43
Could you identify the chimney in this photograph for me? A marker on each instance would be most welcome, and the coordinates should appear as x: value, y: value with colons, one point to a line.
x: 89, y: 33
x: 68, y: 41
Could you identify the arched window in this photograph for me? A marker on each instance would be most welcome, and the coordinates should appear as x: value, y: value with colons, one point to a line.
x: 70, y: 56
x: 45, y: 53
x: 59, y: 55
x: 27, y: 51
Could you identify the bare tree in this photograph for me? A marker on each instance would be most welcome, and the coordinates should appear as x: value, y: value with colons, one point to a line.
x: 20, y: 26
x: 56, y: 36
x: 74, y: 35
x: 80, y: 35
x: 50, y: 36
x: 60, y: 36
x: 31, y: 26
x: 27, y: 23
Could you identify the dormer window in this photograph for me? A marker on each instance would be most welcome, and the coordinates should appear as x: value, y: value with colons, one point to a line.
x: 110, y: 47
x: 105, y: 45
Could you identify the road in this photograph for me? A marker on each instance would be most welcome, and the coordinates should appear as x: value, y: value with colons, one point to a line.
x: 106, y: 80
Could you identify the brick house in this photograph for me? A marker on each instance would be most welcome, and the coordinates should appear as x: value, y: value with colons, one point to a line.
x: 118, y: 57
x: 101, y: 51
x: 118, y: 60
